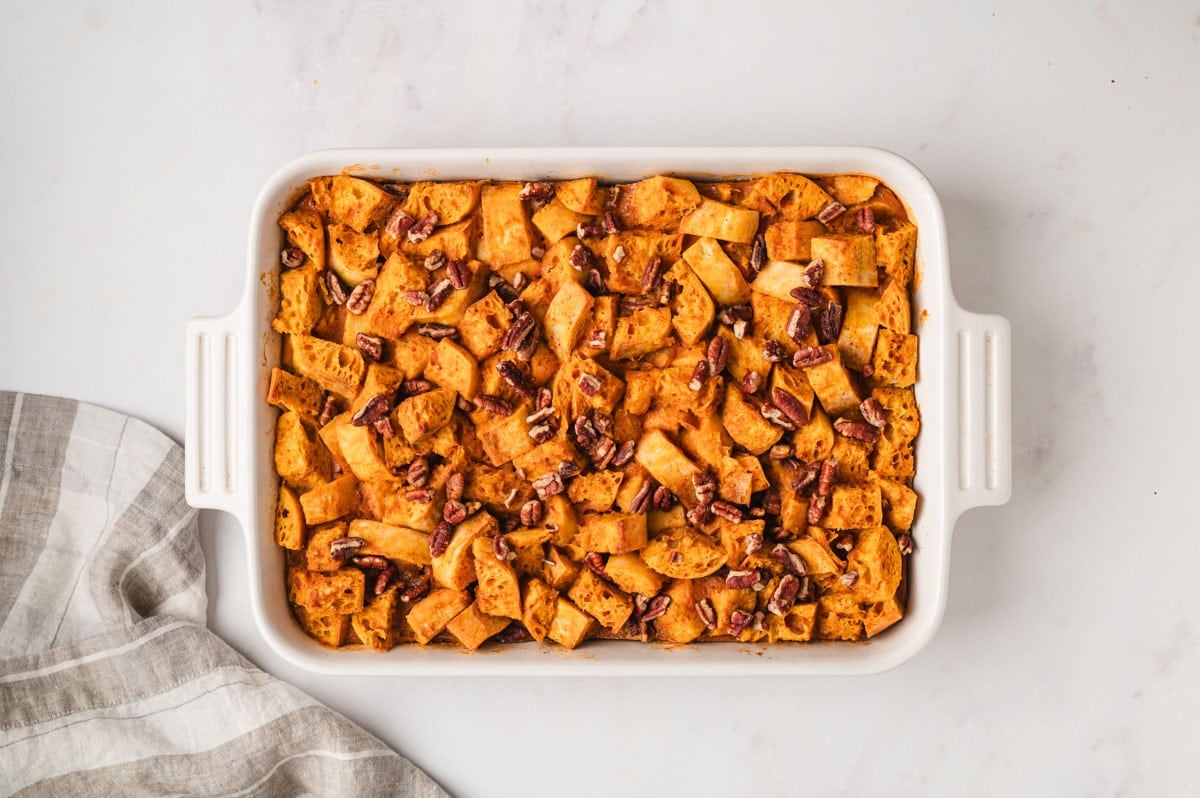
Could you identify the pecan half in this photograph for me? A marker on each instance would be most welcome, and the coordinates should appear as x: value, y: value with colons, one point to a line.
x: 603, y: 452
x: 776, y: 416
x: 828, y: 469
x: 522, y: 328
x: 809, y: 356
x: 549, y: 484
x: 641, y: 500
x: 344, y: 548
x: 718, y: 354
x: 580, y: 257
x: 589, y: 384
x: 816, y: 508
x: 503, y: 549
x: 799, y: 324
x: 751, y: 382
x: 830, y: 212
x: 416, y: 298
x: 708, y: 615
x: 335, y: 288
x: 493, y: 404
x: 773, y: 351
x: 588, y: 230
x: 374, y: 562
x: 865, y: 217
x: 699, y: 375
x: 807, y: 476
x: 772, y: 502
x: 454, y: 485
x: 434, y: 260
x: 651, y: 274
x: 807, y: 297
x: 594, y: 282
x: 727, y: 510
x: 437, y: 331
x: 532, y: 512
x: 376, y: 408
x: 384, y: 427
x: 873, y: 412
x: 539, y: 191
x: 292, y: 257
x: 371, y: 346
x: 419, y: 495
x: 458, y: 274
x: 792, y: 562
x: 595, y: 563
x: 739, y: 621
x: 586, y: 434
x: 784, y: 596
x: 598, y: 339
x: 384, y: 579
x: 439, y: 539
x: 418, y: 587
x: 609, y: 224
x: 856, y: 430
x: 830, y: 324
x: 624, y: 454
x: 454, y: 512
x: 618, y: 254
x: 540, y: 433
x: 905, y: 542
x: 656, y: 607
x: 790, y: 405
x: 422, y: 229
x: 664, y: 499
x: 415, y: 387
x: 439, y: 292
x: 399, y: 223
x: 328, y: 410
x: 699, y: 515
x: 544, y: 398
x: 735, y: 313
x: 514, y: 378
x: 741, y: 580
x: 758, y: 254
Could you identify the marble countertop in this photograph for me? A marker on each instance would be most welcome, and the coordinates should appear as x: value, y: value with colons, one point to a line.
x: 1062, y: 140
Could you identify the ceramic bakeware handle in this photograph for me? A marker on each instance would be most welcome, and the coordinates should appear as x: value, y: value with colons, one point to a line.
x: 981, y: 355
x: 213, y: 476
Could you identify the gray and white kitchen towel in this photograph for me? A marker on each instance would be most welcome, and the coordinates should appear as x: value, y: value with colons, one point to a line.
x: 109, y: 682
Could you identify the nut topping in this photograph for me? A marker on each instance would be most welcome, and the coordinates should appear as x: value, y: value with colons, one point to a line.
x: 609, y: 224
x: 807, y: 476
x: 813, y: 273
x: 784, y: 596
x: 856, y: 430
x: 708, y: 615
x: 705, y: 486
x: 742, y: 580
x: 418, y: 471
x: 522, y: 328
x: 437, y: 331
x: 544, y: 398
x: 417, y: 588
x: 776, y: 416
x: 335, y: 288
x: 791, y: 561
x: 718, y: 354
x: 843, y: 543
x: 790, y: 405
x: 537, y: 191
x: 540, y: 433
x: 753, y: 543
x: 603, y: 453
x: 727, y: 510
x: 664, y: 499
x: 439, y: 539
x: 503, y: 549
x: 292, y: 257
x: 751, y: 382
x: 624, y: 454
x: 849, y: 578
x: 589, y: 384
x: 328, y: 410
x: 739, y: 621
x: 651, y: 274
x: 580, y: 257
x: 549, y: 484
x: 830, y: 324
x: 618, y: 254
x: 493, y: 404
x: 758, y: 254
x: 809, y: 356
x: 384, y: 579
x: 372, y: 561
x: 344, y: 548
x: 514, y: 378
x: 774, y: 352
x: 439, y: 292
x: 807, y: 297
x: 376, y: 408
x: 532, y: 512
x: 873, y: 412
x: 454, y: 485
x: 828, y: 469
x: 656, y: 607
x: 415, y: 387
x: 416, y: 298
x: 905, y: 542
x: 865, y: 218
x: 419, y: 495
x: 434, y: 260
x: 454, y: 512
x: 699, y: 375
x: 816, y: 508
x: 799, y: 323
x: 422, y: 229
x: 830, y: 212
x: 370, y: 345
x: 641, y: 500
x: 780, y: 451
x: 588, y: 230
x: 398, y: 223
x: 595, y: 563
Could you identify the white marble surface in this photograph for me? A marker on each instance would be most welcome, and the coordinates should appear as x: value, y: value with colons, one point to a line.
x: 135, y: 135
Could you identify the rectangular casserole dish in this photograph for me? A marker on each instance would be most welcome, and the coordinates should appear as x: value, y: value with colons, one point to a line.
x: 963, y: 452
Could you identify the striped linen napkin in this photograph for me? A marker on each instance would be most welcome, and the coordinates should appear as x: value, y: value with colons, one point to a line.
x: 109, y: 682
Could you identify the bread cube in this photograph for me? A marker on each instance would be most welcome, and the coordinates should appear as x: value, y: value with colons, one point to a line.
x: 493, y: 486
x: 394, y: 542
x: 327, y: 629
x: 692, y: 309
x: 318, y: 552
x: 630, y: 573
x: 452, y: 202
x: 854, y: 507
x: 684, y: 554
x: 712, y: 219
x: 859, y: 328
x: 646, y: 331
x: 899, y: 502
x: 362, y: 451
x: 667, y: 464
x: 746, y: 424
x: 375, y: 624
x: 895, y: 359
x: 893, y: 458
x: 300, y: 303
x: 567, y: 315
x: 814, y: 441
x: 300, y: 459
x: 571, y: 625
x: 424, y: 414
x: 548, y: 457
x: 893, y: 309
x: 560, y: 570
x: 458, y: 241
x: 583, y: 195
x: 595, y: 492
x: 356, y: 202
x: 452, y: 366
x: 657, y: 203
x: 341, y: 592
x: 849, y: 259
x: 556, y: 221
x: 330, y: 501
x: 733, y: 540
x: 680, y: 623
x: 429, y: 616
x: 289, y: 391
x: 353, y: 256
x: 778, y: 278
x: 601, y: 600
x: 881, y: 615
x: 289, y: 520
x: 852, y: 189
x: 506, y: 437
x: 305, y: 230
x: 796, y: 625
x: 336, y: 368
x: 833, y: 385
x: 853, y: 459
x: 472, y: 627
x: 787, y: 196
x: 876, y: 558
x: 455, y: 567
x: 896, y: 251
x: 452, y: 310
x: 818, y: 557
x: 772, y: 316
x: 628, y: 254
x: 483, y: 326
x: 839, y: 617
x: 499, y: 590
x: 507, y: 235
x: 611, y: 533
x: 389, y: 314
x: 538, y: 605
x: 791, y: 240
x: 719, y: 274
x: 529, y: 546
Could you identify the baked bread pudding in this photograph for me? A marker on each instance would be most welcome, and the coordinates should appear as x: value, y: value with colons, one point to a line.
x: 666, y: 410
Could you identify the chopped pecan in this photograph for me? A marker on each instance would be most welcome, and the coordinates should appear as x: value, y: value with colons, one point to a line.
x: 437, y: 331
x: 422, y: 229
x: 512, y: 375
x: 588, y: 230
x: 549, y: 484
x: 790, y: 405
x: 503, y: 289
x: 598, y: 339
x: 727, y: 510
x: 415, y: 387
x: 773, y: 351
x: 434, y: 260
x: 799, y: 324
x: 568, y: 469
x: 856, y: 430
x: 595, y: 563
x: 780, y: 451
x: 828, y: 469
x: 384, y: 579
x: 371, y: 346
x: 718, y: 354
x: 544, y: 398
x: 603, y: 452
x: 594, y: 282
x: 699, y: 515
x: 641, y: 500
x: 791, y: 561
x: 519, y: 281
x: 809, y: 356
x: 454, y: 512
x: 455, y: 483
x: 776, y: 416
x: 503, y: 549
x: 772, y: 502
x: 459, y: 275
x: 416, y: 298
x: 664, y: 499
x: 603, y: 421
x: 439, y: 539
x: 291, y: 257
x: 708, y: 615
x: 905, y: 542
x: 849, y: 578
x: 807, y: 476
x: 830, y: 212
x: 494, y: 404
x: 865, y: 217
x: 335, y: 288
x: 586, y: 434
x: 843, y: 543
x: 618, y: 254
x: 656, y: 607
x: 384, y: 427
x: 758, y: 254
x: 538, y: 191
x: 609, y: 224
x: 753, y: 543
x: 651, y: 274
x: 704, y: 484
x: 741, y: 580
x: 739, y: 621
x: 374, y: 562
x: 623, y: 455
x: 699, y: 375
x: 328, y: 410
x: 589, y: 384
x: 345, y: 548
x: 532, y: 512
x: 807, y: 297
x: 816, y: 508
x: 417, y: 587
x: 873, y: 412
x: 376, y: 408
x: 830, y: 324
x: 399, y: 223
x: 580, y: 257
x: 751, y: 382
x: 540, y: 433
x: 439, y: 292
x: 813, y: 273
x: 784, y: 596
x: 419, y: 495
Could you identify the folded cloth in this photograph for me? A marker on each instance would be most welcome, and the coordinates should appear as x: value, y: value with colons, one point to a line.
x: 109, y: 682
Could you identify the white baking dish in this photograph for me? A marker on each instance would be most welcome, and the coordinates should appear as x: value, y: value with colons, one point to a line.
x: 963, y: 452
